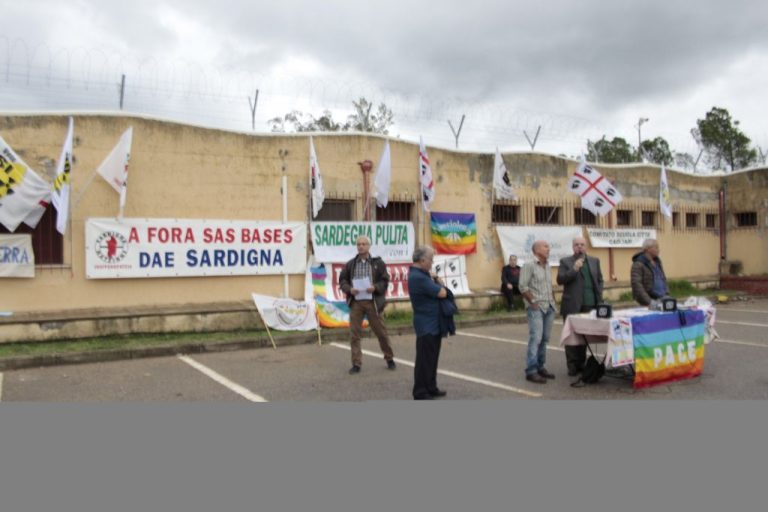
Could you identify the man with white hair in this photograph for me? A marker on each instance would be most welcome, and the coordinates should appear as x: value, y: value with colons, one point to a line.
x: 536, y: 289
x: 371, y: 270
x: 648, y: 279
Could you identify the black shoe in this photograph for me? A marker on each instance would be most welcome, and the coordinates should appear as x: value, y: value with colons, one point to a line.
x: 355, y: 369
x: 438, y: 393
x: 424, y: 397
x: 573, y: 372
x: 391, y: 364
x: 546, y: 374
x: 535, y: 377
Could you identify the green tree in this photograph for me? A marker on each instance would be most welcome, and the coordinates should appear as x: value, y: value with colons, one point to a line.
x: 362, y: 120
x: 723, y: 141
x: 616, y: 151
x: 657, y: 151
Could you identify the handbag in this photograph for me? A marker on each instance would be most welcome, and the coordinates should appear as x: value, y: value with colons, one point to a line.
x: 593, y: 370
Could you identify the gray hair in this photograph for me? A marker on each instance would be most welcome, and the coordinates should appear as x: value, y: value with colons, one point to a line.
x: 649, y: 242
x: 363, y: 237
x: 421, y: 253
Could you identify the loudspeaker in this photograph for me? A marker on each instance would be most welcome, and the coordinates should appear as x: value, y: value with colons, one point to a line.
x: 604, y: 311
x: 668, y: 304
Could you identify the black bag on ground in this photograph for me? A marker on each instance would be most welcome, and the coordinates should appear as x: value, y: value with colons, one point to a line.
x: 593, y: 370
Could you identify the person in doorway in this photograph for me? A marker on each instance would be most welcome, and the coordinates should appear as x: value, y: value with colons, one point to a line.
x: 582, y: 282
x: 536, y: 289
x: 364, y: 281
x: 510, y: 280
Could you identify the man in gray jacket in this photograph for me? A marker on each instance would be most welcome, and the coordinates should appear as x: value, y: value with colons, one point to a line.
x: 582, y: 282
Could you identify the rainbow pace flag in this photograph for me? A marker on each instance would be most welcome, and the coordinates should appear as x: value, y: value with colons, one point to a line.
x: 668, y: 347
x: 454, y: 233
x: 329, y: 313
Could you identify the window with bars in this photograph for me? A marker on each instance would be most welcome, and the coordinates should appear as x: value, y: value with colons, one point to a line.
x: 675, y: 219
x: 336, y: 210
x: 691, y: 220
x: 396, y: 211
x: 547, y: 214
x: 584, y: 217
x: 648, y: 218
x: 711, y: 220
x: 505, y: 214
x: 746, y: 219
x: 623, y: 218
x: 47, y: 242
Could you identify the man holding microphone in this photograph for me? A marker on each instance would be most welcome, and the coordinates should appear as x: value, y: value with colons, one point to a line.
x: 582, y: 283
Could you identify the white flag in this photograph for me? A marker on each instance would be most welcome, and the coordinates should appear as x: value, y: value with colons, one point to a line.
x: 114, y: 168
x: 664, y: 202
x: 24, y: 196
x: 317, y: 193
x: 285, y: 314
x: 502, y: 183
x: 383, y: 177
x: 425, y: 177
x: 61, y: 186
x: 598, y: 195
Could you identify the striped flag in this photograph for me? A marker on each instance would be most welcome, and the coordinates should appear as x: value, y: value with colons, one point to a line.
x: 61, y: 186
x: 317, y: 193
x: 597, y: 194
x: 425, y: 177
x: 24, y: 196
x: 114, y: 168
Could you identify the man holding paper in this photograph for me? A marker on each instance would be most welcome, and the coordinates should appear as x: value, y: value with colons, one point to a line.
x: 364, y: 280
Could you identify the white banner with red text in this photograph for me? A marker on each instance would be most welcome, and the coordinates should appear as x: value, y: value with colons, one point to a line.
x: 133, y: 248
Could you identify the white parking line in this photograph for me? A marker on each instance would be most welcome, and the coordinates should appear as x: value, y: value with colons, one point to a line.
x: 718, y: 322
x: 748, y: 344
x: 455, y: 375
x: 503, y: 340
x: 233, y: 386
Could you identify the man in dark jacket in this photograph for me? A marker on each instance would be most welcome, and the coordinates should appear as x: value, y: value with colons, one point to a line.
x: 426, y: 292
x: 648, y: 279
x: 510, y: 278
x: 370, y: 274
x: 582, y: 282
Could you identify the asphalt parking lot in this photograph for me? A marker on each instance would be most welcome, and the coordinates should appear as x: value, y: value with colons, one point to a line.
x: 479, y: 363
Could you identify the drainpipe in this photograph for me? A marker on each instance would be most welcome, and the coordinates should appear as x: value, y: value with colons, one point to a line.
x: 723, y: 246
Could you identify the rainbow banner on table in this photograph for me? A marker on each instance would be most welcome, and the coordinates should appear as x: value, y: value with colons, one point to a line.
x: 668, y: 347
x: 454, y: 233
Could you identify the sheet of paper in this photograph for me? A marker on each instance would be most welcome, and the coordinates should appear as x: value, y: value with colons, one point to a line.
x: 361, y: 285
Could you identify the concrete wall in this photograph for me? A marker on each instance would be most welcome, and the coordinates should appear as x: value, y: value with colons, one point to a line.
x: 181, y: 171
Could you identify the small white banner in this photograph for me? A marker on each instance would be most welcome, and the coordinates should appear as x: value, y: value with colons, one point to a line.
x: 621, y: 238
x: 130, y: 248
x: 336, y: 241
x: 285, y: 314
x: 17, y: 259
x: 518, y: 240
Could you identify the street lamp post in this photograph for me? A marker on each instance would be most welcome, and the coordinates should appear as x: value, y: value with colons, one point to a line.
x: 639, y: 138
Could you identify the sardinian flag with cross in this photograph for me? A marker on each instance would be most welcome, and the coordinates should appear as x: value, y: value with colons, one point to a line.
x: 598, y: 195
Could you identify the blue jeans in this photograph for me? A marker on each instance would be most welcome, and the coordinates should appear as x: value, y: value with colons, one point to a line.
x: 539, y: 326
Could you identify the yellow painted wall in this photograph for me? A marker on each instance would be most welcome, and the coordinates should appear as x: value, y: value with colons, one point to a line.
x: 181, y: 171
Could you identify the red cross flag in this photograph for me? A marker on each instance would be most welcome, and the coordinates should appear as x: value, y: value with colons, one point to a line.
x: 598, y: 195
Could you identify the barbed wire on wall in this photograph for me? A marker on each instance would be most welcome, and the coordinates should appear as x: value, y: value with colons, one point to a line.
x: 39, y: 78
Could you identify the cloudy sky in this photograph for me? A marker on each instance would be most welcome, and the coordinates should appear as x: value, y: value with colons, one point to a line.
x: 578, y: 69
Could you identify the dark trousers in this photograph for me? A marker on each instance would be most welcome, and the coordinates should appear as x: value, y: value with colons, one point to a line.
x: 510, y: 295
x: 576, y: 355
x: 425, y: 370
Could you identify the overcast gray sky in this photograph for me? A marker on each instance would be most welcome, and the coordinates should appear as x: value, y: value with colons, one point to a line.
x: 582, y: 69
